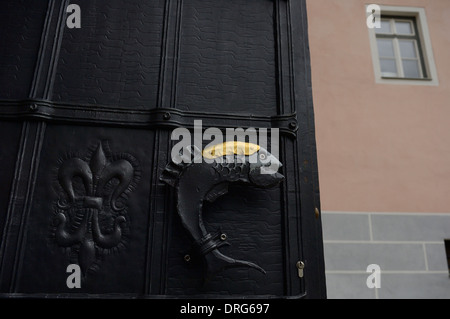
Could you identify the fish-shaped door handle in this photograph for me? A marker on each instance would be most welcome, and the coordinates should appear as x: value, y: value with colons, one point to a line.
x: 196, y: 181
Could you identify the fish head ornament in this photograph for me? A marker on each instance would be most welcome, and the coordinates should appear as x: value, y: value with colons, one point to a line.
x: 263, y: 166
x: 264, y: 169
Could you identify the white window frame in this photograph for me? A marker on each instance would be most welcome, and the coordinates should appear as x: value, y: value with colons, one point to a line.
x: 396, y: 46
x: 425, y: 42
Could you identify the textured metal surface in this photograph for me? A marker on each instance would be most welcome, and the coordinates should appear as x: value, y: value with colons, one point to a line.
x: 114, y: 59
x: 22, y: 26
x: 64, y: 92
x: 227, y: 57
x: 8, y: 154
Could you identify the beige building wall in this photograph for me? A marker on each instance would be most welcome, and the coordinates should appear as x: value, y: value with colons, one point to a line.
x: 381, y: 147
x: 384, y: 158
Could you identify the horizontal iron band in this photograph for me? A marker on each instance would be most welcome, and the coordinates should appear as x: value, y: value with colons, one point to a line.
x: 152, y: 118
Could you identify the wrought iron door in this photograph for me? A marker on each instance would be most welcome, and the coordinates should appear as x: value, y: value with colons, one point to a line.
x: 86, y: 120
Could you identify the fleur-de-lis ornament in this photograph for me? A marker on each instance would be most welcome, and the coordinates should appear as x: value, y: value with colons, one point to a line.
x: 91, y: 213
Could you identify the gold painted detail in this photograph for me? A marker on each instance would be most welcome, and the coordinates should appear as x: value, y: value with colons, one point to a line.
x: 230, y: 148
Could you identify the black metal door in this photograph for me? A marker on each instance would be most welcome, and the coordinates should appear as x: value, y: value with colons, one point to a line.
x: 86, y: 121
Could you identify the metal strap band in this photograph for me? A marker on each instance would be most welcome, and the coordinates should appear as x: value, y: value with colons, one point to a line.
x: 152, y: 118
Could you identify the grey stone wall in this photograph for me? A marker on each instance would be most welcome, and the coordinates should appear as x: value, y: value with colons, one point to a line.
x: 408, y: 247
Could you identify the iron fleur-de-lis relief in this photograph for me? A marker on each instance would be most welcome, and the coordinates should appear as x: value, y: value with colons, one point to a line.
x: 91, y: 216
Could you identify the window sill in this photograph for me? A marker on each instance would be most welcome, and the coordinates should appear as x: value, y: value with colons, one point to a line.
x: 405, y: 79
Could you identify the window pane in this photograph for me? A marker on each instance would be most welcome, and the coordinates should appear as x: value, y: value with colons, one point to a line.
x: 388, y: 67
x: 385, y: 48
x: 404, y: 27
x: 385, y: 27
x: 408, y: 48
x: 411, y: 68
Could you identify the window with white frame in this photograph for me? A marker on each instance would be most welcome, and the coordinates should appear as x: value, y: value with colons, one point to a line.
x: 401, y: 47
